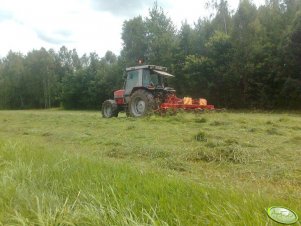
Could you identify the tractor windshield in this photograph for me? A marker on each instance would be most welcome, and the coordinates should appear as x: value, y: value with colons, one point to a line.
x: 151, y: 79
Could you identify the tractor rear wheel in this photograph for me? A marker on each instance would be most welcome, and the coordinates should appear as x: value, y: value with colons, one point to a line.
x: 141, y: 103
x: 109, y: 109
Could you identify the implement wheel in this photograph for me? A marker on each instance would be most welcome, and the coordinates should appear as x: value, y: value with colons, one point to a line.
x: 141, y: 103
x: 109, y: 109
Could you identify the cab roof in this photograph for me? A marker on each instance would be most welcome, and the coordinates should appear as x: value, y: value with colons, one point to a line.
x: 152, y: 67
x: 157, y: 69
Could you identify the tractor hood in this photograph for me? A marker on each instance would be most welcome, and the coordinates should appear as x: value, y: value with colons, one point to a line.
x: 163, y: 73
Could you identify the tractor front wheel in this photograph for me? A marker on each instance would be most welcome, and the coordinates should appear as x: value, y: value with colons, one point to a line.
x: 141, y: 103
x: 109, y: 109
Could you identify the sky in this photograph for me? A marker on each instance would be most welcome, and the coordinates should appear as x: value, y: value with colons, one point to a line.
x: 86, y: 25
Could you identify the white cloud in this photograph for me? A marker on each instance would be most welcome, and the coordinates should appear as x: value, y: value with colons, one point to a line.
x: 33, y: 24
x: 17, y: 37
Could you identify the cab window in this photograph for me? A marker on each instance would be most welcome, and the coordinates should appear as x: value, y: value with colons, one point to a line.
x: 146, y: 81
x: 149, y: 78
x: 132, y: 80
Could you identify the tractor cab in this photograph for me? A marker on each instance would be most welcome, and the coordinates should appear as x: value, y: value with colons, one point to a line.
x: 149, y: 77
x: 144, y: 90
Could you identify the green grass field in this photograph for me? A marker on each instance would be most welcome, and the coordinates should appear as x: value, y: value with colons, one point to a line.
x: 76, y: 168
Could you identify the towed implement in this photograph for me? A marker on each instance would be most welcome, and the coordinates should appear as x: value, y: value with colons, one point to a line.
x: 146, y: 91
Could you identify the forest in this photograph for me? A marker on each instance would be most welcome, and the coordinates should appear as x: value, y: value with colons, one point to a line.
x: 249, y: 58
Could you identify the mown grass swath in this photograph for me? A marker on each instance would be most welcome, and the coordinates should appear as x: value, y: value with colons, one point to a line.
x: 75, y: 168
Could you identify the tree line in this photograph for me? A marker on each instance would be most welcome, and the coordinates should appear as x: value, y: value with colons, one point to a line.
x: 250, y: 58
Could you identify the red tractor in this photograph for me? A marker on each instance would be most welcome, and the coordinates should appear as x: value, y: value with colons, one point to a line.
x: 145, y: 91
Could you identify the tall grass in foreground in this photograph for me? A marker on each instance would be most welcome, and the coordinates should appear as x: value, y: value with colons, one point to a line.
x: 50, y: 187
x: 73, y: 168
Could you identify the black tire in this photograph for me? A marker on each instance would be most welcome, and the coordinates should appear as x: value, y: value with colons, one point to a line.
x: 109, y: 109
x: 142, y: 103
